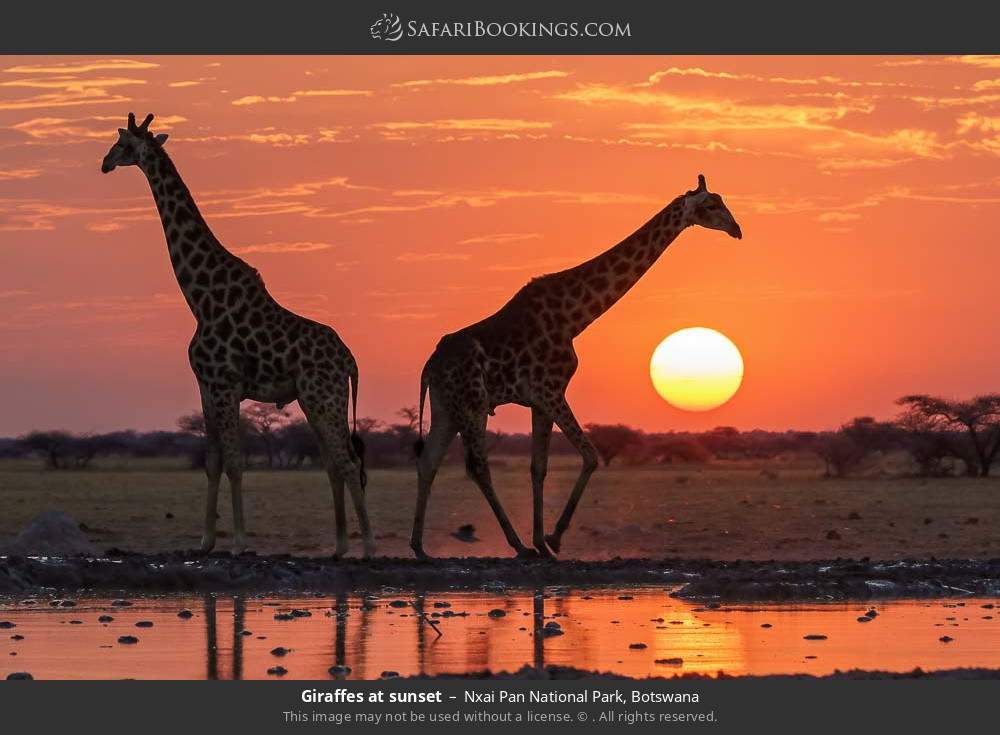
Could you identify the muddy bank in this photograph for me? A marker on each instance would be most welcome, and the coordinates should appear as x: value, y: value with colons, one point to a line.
x: 699, y: 580
x: 566, y: 673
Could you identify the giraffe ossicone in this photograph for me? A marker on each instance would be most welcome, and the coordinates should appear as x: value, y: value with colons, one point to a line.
x: 247, y: 346
x: 523, y: 354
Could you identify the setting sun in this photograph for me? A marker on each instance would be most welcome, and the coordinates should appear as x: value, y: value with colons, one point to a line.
x: 696, y: 369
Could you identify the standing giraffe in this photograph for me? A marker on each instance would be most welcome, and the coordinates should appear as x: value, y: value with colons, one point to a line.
x: 524, y: 354
x: 246, y: 345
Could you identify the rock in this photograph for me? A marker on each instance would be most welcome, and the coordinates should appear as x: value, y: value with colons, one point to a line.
x: 246, y: 632
x: 971, y: 521
x: 814, y: 637
x: 284, y: 616
x: 765, y: 625
x: 280, y: 651
x: 121, y: 603
x: 625, y: 597
x: 185, y: 614
x: 872, y: 613
x: 928, y: 521
x: 127, y: 639
x: 17, y: 637
x: 675, y: 661
x: 552, y: 632
x: 19, y: 676
x: 854, y: 516
x: 864, y: 619
x: 7, y: 625
x: 399, y: 603
x: 105, y: 619
x: 52, y: 533
x: 637, y: 646
x: 466, y: 533
x: 144, y: 624
x: 442, y: 604
x: 62, y: 603
x: 946, y: 639
x: 389, y: 674
x: 277, y: 671
x: 496, y: 613
x: 553, y: 624
x: 339, y: 670
x: 76, y: 622
x: 168, y: 516
x: 296, y: 613
x: 832, y: 535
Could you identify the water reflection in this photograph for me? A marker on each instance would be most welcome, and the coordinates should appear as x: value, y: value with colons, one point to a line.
x: 637, y: 632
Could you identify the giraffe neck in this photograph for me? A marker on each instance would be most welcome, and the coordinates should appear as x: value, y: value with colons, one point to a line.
x: 199, y: 260
x: 593, y: 287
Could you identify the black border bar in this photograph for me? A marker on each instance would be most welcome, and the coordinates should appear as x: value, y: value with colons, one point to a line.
x: 131, y: 27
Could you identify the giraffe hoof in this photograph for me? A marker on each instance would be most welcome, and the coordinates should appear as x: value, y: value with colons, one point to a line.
x: 207, y: 545
x: 543, y: 551
x: 527, y: 553
x: 419, y: 552
x: 553, y: 542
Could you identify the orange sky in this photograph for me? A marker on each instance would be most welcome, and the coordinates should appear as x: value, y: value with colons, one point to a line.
x: 400, y: 198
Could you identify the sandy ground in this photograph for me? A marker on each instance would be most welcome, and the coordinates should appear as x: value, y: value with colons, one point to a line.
x: 714, y: 512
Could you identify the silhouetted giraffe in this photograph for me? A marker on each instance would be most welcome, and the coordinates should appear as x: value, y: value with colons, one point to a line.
x: 247, y: 346
x: 524, y: 354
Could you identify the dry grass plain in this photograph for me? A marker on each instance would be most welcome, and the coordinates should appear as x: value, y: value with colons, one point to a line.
x: 717, y: 511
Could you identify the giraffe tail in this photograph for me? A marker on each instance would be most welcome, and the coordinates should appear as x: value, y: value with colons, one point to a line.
x: 418, y: 445
x: 357, y: 444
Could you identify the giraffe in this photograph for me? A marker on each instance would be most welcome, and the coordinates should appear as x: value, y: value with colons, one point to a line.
x: 247, y: 346
x: 524, y: 354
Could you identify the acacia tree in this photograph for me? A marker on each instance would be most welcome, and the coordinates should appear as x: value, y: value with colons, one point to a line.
x: 610, y: 440
x: 978, y: 418
x: 265, y: 419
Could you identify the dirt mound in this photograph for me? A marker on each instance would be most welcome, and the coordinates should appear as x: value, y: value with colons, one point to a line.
x: 52, y: 533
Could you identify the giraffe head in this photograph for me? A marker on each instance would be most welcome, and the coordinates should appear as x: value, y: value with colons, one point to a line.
x: 135, y: 144
x: 705, y: 208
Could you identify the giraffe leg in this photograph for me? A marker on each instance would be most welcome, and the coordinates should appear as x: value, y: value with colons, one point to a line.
x: 328, y: 418
x: 340, y: 512
x: 213, y: 469
x: 570, y: 427
x: 474, y: 439
x: 439, y: 438
x: 541, y: 433
x: 225, y: 402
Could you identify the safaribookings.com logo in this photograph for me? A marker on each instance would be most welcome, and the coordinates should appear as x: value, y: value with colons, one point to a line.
x: 390, y: 28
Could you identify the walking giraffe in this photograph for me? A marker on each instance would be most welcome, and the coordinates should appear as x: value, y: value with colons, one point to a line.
x: 247, y: 346
x: 524, y: 354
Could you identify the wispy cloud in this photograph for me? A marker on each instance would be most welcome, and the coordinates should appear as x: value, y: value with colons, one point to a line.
x: 19, y: 173
x: 501, y: 238
x: 77, y: 129
x: 68, y: 99
x: 284, y: 247
x: 838, y: 217
x: 464, y: 125
x: 81, y: 67
x: 430, y: 257
x: 105, y: 227
x: 256, y: 99
x: 829, y: 80
x: 488, y: 80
